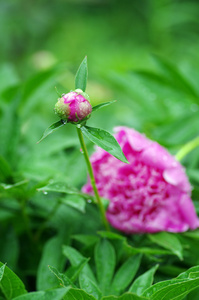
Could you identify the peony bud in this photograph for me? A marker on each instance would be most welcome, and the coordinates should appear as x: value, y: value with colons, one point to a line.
x: 73, y: 107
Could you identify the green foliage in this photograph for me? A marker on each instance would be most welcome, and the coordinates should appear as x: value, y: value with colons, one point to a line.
x: 48, y: 227
x: 51, y: 129
x: 56, y: 294
x: 143, y: 282
x: 81, y: 76
x: 10, y: 284
x: 168, y: 241
x: 105, y: 140
x: 105, y: 264
x: 125, y: 274
x: 175, y: 288
x: 45, y: 279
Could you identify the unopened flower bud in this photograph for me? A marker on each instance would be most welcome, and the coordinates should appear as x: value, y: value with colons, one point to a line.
x: 73, y: 107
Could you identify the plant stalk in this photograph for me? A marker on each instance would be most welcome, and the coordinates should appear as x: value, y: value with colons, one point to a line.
x: 92, y: 178
x: 187, y: 148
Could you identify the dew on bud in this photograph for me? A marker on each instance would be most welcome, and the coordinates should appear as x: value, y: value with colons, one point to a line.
x: 73, y: 107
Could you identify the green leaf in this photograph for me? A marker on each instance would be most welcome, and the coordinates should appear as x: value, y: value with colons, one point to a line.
x: 10, y: 284
x: 176, y: 288
x: 143, y: 282
x: 105, y: 260
x: 76, y: 270
x: 104, y: 140
x: 126, y: 296
x: 125, y: 274
x: 2, y: 269
x: 77, y: 294
x: 63, y: 279
x: 45, y: 279
x: 56, y: 294
x: 111, y: 235
x: 86, y: 239
x: 89, y: 286
x: 98, y: 106
x: 62, y: 187
x: 51, y: 129
x: 74, y: 201
x: 133, y: 250
x: 79, y: 262
x: 81, y: 76
x: 10, y: 186
x: 168, y: 241
x: 187, y: 273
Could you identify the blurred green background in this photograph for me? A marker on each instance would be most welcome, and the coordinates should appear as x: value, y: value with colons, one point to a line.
x: 116, y: 35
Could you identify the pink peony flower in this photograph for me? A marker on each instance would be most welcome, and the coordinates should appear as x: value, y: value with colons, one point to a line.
x: 150, y: 194
x: 73, y: 107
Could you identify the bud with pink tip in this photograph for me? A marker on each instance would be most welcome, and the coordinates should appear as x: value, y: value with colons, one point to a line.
x: 73, y: 107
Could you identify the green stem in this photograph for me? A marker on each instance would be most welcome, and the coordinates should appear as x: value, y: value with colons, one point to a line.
x: 187, y: 148
x: 92, y: 178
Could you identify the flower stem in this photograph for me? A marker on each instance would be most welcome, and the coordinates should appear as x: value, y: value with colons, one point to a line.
x: 92, y: 178
x: 187, y: 148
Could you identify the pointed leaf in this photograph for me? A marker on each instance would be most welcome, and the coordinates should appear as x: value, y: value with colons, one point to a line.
x: 143, y: 282
x: 176, y: 288
x: 51, y: 129
x: 81, y: 76
x: 89, y: 286
x: 63, y: 279
x: 75, y: 201
x: 2, y: 269
x: 187, y: 274
x: 77, y: 294
x: 63, y: 187
x: 45, y: 279
x: 125, y: 274
x: 168, y: 241
x: 85, y: 239
x: 98, y: 106
x: 104, y: 140
x: 126, y: 296
x: 10, y: 284
x: 55, y: 294
x: 105, y: 260
x: 76, y: 259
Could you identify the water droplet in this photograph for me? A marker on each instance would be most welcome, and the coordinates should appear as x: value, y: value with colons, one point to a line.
x: 45, y: 193
x: 63, y: 122
x: 89, y: 201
